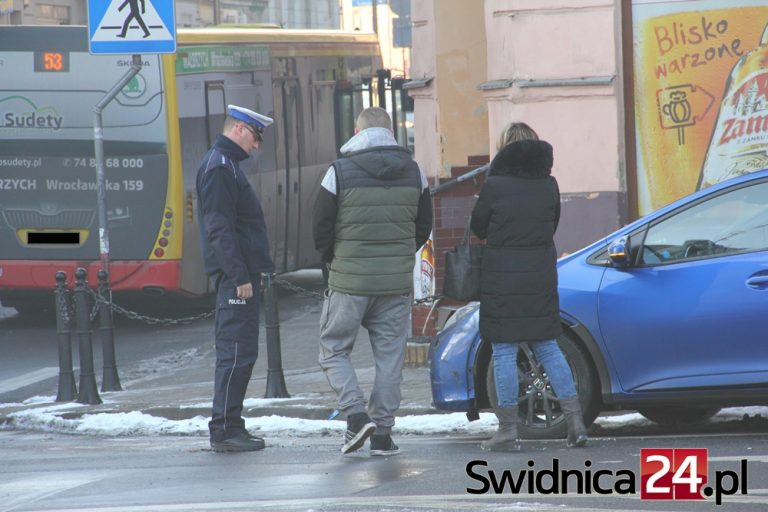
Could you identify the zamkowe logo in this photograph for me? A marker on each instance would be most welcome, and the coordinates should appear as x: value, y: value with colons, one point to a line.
x: 746, y: 119
x: 20, y: 113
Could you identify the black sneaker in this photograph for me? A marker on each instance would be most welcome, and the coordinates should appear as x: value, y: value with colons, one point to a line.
x: 359, y: 428
x: 238, y: 443
x: 382, y: 445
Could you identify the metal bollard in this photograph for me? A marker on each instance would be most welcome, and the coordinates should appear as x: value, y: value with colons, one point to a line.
x: 89, y: 393
x: 110, y: 380
x: 275, y: 379
x: 67, y: 388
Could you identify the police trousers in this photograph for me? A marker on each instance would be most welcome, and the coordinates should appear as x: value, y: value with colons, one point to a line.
x: 237, y: 347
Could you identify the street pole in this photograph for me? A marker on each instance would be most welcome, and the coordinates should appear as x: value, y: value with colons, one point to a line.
x: 110, y: 379
x: 89, y: 393
x: 67, y: 387
x: 98, y: 143
x: 375, y: 9
x: 275, y: 377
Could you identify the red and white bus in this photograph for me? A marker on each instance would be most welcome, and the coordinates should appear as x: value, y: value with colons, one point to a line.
x: 313, y: 83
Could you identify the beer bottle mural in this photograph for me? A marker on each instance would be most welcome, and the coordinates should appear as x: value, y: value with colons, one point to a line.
x: 740, y: 139
x: 689, y: 58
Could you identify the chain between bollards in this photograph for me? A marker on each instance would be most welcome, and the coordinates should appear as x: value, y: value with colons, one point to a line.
x: 67, y: 389
x: 275, y: 378
x: 89, y: 393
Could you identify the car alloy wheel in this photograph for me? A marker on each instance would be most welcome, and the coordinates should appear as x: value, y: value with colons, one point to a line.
x: 538, y: 407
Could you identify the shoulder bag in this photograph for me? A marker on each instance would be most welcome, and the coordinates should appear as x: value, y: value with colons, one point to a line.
x: 462, y: 270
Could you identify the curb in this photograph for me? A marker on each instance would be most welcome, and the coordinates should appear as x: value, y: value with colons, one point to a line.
x: 186, y: 413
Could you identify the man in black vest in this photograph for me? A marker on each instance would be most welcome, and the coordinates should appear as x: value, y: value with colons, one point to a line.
x: 236, y: 253
x: 372, y: 214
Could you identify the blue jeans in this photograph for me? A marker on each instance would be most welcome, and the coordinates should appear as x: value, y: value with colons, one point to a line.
x: 548, y: 354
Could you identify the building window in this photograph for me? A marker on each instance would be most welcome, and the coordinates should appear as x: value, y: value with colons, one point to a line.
x: 53, y: 14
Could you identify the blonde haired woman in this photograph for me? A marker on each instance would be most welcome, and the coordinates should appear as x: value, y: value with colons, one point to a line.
x: 517, y: 214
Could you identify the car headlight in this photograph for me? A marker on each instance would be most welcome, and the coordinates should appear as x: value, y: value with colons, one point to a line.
x: 461, y: 312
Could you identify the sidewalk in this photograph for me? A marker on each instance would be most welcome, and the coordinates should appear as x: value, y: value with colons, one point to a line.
x: 185, y: 390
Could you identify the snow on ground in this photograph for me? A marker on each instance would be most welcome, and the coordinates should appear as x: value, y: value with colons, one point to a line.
x: 62, y: 418
x: 44, y: 414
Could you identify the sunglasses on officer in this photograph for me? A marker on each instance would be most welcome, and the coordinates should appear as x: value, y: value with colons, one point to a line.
x: 256, y: 133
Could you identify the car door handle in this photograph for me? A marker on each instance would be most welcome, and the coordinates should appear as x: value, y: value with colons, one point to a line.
x: 758, y: 282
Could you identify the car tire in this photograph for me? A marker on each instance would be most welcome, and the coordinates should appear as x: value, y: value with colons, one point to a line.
x: 544, y: 420
x: 677, y: 414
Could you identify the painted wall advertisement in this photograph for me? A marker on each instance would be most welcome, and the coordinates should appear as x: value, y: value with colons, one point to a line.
x: 701, y: 94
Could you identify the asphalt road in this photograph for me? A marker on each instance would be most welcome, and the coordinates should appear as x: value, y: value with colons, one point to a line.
x: 29, y: 353
x: 29, y: 362
x: 42, y: 472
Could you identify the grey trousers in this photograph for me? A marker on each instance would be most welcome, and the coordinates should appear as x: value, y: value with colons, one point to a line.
x: 386, y: 318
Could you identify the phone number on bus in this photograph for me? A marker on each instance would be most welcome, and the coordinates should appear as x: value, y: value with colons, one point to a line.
x: 126, y: 163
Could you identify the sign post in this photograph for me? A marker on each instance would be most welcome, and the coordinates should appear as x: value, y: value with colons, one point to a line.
x: 121, y: 27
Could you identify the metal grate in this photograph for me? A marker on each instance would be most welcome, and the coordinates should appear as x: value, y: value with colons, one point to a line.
x: 17, y: 219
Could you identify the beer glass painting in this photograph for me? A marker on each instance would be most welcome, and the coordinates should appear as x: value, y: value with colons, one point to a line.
x: 701, y: 94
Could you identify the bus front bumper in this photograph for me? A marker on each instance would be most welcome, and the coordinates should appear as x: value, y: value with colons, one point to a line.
x: 40, y: 275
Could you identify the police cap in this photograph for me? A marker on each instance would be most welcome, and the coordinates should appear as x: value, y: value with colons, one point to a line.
x: 249, y: 117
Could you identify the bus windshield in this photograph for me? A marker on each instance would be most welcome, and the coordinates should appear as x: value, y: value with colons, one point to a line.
x: 47, y: 165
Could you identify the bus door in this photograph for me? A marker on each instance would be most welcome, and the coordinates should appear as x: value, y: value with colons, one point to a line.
x: 401, y: 105
x: 380, y: 90
x: 396, y: 101
x: 349, y: 100
x: 215, y: 109
x: 344, y: 112
x: 289, y: 229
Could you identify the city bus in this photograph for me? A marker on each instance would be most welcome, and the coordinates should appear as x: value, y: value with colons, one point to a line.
x: 313, y: 83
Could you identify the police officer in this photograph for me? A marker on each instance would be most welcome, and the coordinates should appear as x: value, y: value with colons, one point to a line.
x: 236, y: 252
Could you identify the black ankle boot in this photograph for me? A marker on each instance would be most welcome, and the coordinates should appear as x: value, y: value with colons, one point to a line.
x: 505, y: 439
x: 577, y: 432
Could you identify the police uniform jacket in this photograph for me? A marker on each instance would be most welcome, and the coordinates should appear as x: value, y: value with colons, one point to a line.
x: 233, y: 232
x: 517, y: 214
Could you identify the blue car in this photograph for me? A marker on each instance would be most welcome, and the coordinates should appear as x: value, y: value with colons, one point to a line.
x: 667, y: 316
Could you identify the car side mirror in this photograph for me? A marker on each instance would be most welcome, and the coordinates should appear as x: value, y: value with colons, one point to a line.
x: 618, y: 252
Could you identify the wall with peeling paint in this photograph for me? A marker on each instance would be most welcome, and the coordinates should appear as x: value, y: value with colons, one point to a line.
x: 553, y: 64
x: 451, y: 119
x: 560, y: 61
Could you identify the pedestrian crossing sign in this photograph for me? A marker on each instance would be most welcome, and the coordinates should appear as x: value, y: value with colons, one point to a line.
x: 131, y: 26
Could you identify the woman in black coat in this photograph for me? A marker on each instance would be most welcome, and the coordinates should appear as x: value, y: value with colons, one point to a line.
x: 517, y: 214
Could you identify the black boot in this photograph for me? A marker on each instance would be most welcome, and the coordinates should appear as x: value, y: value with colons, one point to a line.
x: 240, y: 442
x: 577, y: 432
x: 505, y: 439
